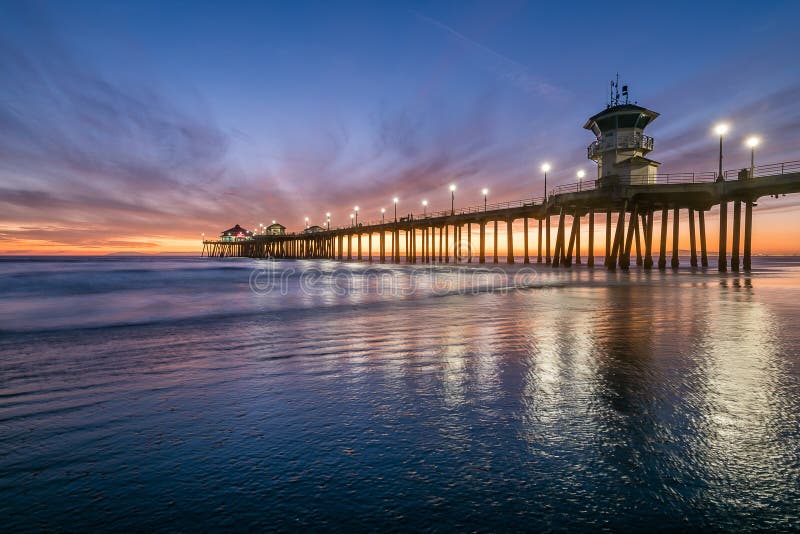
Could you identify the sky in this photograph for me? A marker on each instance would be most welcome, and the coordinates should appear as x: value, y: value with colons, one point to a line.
x: 140, y: 126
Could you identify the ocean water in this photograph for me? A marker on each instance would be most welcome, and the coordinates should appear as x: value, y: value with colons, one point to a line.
x: 186, y: 394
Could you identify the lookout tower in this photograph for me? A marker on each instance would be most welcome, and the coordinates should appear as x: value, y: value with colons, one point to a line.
x: 621, y: 147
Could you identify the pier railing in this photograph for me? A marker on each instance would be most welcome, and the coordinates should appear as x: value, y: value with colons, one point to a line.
x: 477, y: 208
x: 621, y: 142
x: 770, y: 169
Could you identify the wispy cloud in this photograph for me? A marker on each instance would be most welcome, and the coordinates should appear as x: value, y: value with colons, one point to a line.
x: 500, y: 65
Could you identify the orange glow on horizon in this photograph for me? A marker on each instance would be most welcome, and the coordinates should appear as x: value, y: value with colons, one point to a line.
x: 775, y: 232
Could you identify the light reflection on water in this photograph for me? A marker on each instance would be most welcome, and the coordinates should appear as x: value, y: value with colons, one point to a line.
x: 589, y: 400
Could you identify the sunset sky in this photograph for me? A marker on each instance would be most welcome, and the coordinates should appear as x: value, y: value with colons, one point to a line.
x: 137, y: 127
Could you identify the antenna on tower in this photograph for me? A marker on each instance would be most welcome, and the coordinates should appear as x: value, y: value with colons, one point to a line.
x: 625, y: 93
x: 613, y: 95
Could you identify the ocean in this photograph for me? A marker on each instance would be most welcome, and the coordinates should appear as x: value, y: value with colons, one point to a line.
x: 185, y: 394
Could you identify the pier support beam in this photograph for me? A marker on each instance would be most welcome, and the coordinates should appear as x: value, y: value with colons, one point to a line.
x: 608, y: 238
x: 469, y: 242
x: 427, y: 244
x: 662, y: 252
x: 525, y: 258
x: 625, y: 257
x: 722, y: 262
x: 447, y: 243
x: 573, y: 238
x: 441, y: 232
x: 692, y: 240
x: 482, y: 242
x: 558, y: 252
x: 701, y: 221
x: 539, y: 245
x: 590, y: 251
x: 737, y: 223
x: 396, y: 244
x: 510, y: 241
x: 648, y: 241
x: 637, y: 238
x: 675, y: 229
x: 349, y: 247
x: 748, y: 234
x: 547, y: 235
x: 496, y: 242
x: 619, y: 236
x: 457, y: 244
x: 578, y: 238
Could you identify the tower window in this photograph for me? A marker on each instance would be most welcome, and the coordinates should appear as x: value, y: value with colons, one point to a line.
x: 629, y: 120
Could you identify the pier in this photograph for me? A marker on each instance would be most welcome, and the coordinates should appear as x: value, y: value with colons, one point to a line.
x: 630, y: 212
x: 628, y: 196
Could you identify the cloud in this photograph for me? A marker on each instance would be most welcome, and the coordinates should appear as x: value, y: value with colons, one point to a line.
x: 83, y: 153
x: 500, y: 65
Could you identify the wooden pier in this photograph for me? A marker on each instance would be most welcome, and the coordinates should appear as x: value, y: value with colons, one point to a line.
x: 630, y: 212
x: 628, y: 190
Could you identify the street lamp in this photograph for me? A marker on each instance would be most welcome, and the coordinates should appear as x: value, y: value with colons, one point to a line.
x: 581, y: 174
x: 721, y: 130
x: 545, y: 170
x: 356, y: 210
x: 203, y: 236
x: 452, y: 199
x: 383, y: 213
x: 328, y: 216
x: 485, y: 192
x: 425, y: 208
x: 395, y: 200
x: 351, y: 219
x: 306, y: 222
x: 752, y: 142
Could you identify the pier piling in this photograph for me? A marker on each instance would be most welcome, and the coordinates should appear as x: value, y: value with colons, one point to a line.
x: 723, y: 237
x: 737, y: 221
x: 662, y: 251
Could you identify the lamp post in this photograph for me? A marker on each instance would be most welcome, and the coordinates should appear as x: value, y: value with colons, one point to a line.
x: 752, y: 142
x: 581, y: 174
x: 351, y: 220
x: 395, y: 200
x: 203, y: 236
x: 356, y: 210
x: 721, y: 130
x: 545, y: 169
x: 452, y: 199
x: 328, y: 216
x: 425, y: 208
x: 306, y: 222
x: 485, y: 193
x: 383, y: 214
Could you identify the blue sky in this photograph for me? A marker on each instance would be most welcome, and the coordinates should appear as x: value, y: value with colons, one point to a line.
x: 149, y: 122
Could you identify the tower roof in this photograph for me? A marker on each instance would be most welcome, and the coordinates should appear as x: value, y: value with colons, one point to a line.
x: 236, y: 230
x: 620, y: 109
